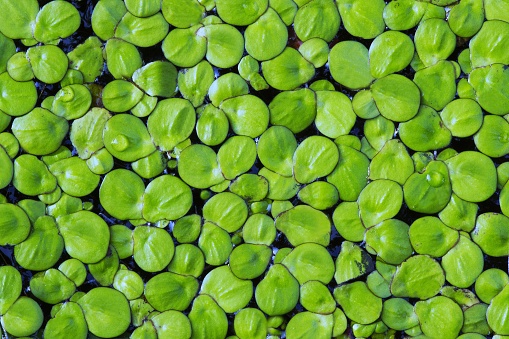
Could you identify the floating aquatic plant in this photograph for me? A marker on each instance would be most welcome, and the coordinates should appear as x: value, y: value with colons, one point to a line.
x: 254, y: 169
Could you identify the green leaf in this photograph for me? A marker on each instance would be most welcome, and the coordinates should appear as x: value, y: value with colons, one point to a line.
x: 106, y: 311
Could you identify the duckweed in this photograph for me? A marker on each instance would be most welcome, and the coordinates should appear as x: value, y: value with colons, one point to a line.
x: 254, y: 169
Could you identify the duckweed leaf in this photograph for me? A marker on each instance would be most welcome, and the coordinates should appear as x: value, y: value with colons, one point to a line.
x: 40, y: 125
x: 463, y: 263
x: 445, y: 315
x: 212, y: 126
x: 310, y: 325
x: 153, y: 248
x: 18, y: 17
x: 230, y: 292
x: 334, y: 114
x: 166, y: 197
x: 74, y: 177
x: 56, y: 20
x: 32, y: 177
x: 252, y: 124
x: 475, y: 320
x: 122, y: 58
x: 249, y: 261
x: 276, y: 147
x: 437, y: 84
x: 185, y: 47
x: 488, y: 45
x: 395, y: 246
x: 378, y: 131
x: 466, y: 18
x: 250, y: 187
x: 390, y: 52
x: 68, y: 320
x: 259, y: 229
x: 198, y: 166
x: 294, y: 110
x: 266, y: 38
x: 250, y: 323
x: 158, y: 78
x: 399, y: 314
x: 434, y: 41
x: 10, y: 285
x: 352, y: 262
x: 126, y: 137
x: 144, y: 8
x: 125, y: 205
x: 236, y: 156
x: 238, y: 13
x: 18, y: 98
x: 392, y: 162
x: 473, y: 176
x: 425, y: 131
x: 215, y: 243
x: 7, y: 169
x: 48, y: 63
x: 358, y: 302
x: 403, y: 15
x: 106, y: 311
x: 43, y: 247
x: 315, y: 157
x: 350, y: 174
x: 280, y: 187
x: 182, y: 14
x: 104, y: 270
x: 288, y: 70
x: 490, y: 86
x: 187, y: 260
x: 193, y: 83
x: 303, y: 224
x: 187, y: 229
x: 171, y: 122
x: 418, y: 277
x: 51, y: 286
x: 429, y: 191
x: 349, y: 64
x: 316, y: 297
x: 431, y: 236
x: 86, y: 132
x: 142, y: 32
x: 172, y: 323
x: 170, y: 291
x: 459, y: 214
x: 72, y: 102
x: 396, y: 97
x: 490, y: 283
x: 316, y: 51
x: 362, y: 18
x: 317, y: 19
x: 23, y: 318
x: 490, y: 232
x: 347, y: 221
x: 74, y: 270
x: 227, y: 210
x: 310, y: 261
x: 492, y: 138
x: 225, y: 45
x: 121, y: 95
x: 379, y: 200
x: 278, y: 292
x: 319, y: 194
x: 86, y: 236
x: 208, y: 320
x: 463, y: 117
